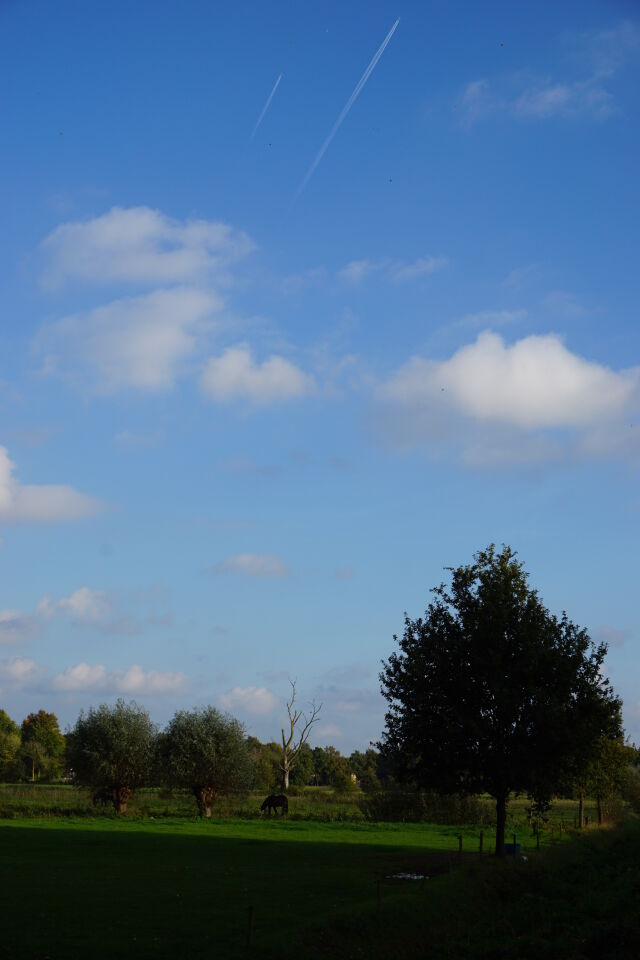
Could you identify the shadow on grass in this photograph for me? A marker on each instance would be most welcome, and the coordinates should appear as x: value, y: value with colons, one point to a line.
x: 117, y: 893
x: 123, y: 891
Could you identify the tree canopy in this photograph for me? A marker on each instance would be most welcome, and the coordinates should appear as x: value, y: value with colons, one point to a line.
x: 9, y: 747
x: 206, y: 752
x: 43, y: 746
x: 111, y: 748
x: 490, y: 692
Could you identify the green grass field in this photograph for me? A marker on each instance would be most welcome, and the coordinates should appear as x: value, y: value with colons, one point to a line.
x: 75, y: 886
x: 314, y: 803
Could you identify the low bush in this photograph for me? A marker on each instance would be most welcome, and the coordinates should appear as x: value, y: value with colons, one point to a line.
x: 420, y: 806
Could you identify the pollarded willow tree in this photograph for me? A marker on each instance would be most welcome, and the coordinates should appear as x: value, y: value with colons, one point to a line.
x: 490, y: 692
x: 206, y: 752
x: 111, y: 749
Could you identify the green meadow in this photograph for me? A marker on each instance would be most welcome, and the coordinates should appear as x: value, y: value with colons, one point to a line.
x: 77, y: 885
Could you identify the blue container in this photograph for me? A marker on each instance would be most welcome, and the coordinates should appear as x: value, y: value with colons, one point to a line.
x: 508, y: 849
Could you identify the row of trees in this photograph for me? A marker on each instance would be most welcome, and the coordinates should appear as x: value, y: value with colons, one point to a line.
x: 115, y: 749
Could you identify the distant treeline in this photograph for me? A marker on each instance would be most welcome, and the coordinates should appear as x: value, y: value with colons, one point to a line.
x: 36, y: 751
x: 114, y: 750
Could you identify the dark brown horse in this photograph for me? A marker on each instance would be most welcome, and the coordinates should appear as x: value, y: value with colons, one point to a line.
x: 274, y: 801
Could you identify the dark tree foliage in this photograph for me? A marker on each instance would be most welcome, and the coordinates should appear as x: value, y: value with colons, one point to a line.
x: 366, y: 768
x: 331, y: 768
x: 206, y: 752
x: 9, y: 747
x: 267, y: 761
x: 111, y: 749
x: 43, y: 746
x: 490, y: 692
x: 610, y: 772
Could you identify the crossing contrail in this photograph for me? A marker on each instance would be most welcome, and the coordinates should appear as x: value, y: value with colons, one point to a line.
x: 345, y: 110
x: 266, y: 107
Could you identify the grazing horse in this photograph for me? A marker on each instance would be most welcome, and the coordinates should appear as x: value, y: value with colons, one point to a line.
x: 273, y: 802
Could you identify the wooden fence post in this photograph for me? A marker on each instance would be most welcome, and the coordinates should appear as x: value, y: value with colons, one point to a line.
x: 459, y: 844
x: 481, y: 839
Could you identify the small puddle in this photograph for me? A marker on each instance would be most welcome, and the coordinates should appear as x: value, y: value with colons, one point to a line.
x: 406, y: 876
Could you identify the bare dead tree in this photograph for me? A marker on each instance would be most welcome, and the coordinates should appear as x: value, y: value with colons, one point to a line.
x: 297, y: 733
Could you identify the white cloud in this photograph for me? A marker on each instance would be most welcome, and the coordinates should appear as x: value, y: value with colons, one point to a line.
x: 19, y: 672
x: 136, y: 680
x: 15, y: 627
x: 599, y: 57
x: 84, y: 605
x: 258, y: 565
x: 548, y: 99
x: 540, y: 100
x: 396, y: 270
x: 140, y: 245
x: 535, y: 382
x: 255, y: 701
x: 82, y: 677
x: 24, y: 502
x: 607, y: 51
x: 424, y: 267
x: 235, y: 375
x: 357, y: 270
x: 131, y: 682
x: 533, y: 385
x: 137, y: 342
x: 520, y: 275
x: 476, y: 102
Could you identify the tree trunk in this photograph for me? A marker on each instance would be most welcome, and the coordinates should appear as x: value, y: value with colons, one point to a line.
x: 285, y: 777
x: 121, y: 797
x: 205, y: 797
x: 581, y: 811
x: 501, y: 819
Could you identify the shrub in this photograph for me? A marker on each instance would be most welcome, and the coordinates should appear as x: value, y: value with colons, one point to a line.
x: 417, y: 806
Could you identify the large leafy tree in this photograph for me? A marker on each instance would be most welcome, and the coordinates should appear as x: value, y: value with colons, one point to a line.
x: 206, y: 752
x: 491, y: 692
x: 111, y: 749
x: 43, y: 746
x: 9, y: 747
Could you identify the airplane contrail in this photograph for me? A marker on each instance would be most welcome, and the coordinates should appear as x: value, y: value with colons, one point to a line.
x: 345, y: 110
x: 266, y: 107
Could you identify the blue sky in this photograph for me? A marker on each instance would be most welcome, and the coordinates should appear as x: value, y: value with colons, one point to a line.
x: 244, y: 427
